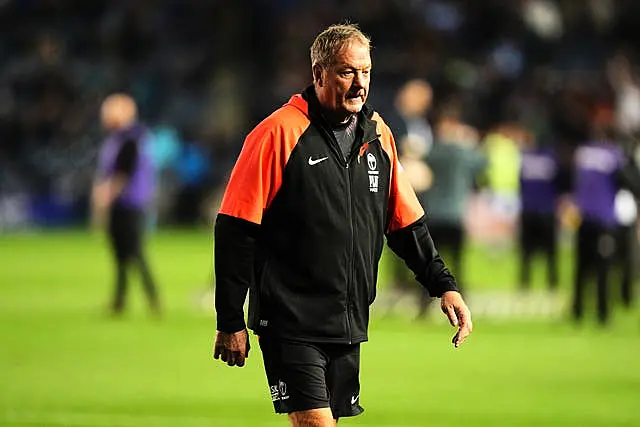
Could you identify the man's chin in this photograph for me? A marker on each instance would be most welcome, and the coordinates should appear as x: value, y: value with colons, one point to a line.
x: 353, y: 108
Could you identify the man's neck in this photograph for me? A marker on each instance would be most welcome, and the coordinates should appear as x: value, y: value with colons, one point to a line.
x: 334, y: 118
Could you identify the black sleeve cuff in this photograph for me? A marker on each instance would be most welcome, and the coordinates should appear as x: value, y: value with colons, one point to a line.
x: 414, y: 245
x: 231, y: 325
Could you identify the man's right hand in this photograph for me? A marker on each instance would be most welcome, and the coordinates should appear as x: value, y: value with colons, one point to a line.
x: 459, y: 315
x: 232, y: 348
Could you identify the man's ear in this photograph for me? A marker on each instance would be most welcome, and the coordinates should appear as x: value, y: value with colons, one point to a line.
x: 317, y: 74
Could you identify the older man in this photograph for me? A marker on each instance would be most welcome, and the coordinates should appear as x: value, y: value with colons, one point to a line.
x: 315, y: 191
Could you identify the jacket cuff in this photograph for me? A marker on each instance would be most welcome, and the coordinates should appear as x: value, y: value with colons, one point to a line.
x: 438, y: 288
x: 447, y: 286
x: 230, y: 326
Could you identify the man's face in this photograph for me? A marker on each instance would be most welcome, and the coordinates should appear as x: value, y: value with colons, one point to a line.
x: 343, y: 87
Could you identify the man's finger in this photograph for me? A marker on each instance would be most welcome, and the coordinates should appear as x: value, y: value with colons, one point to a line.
x: 465, y: 321
x: 454, y: 340
x: 217, y: 350
x: 451, y: 314
x: 465, y: 316
x: 239, y: 359
x: 462, y: 334
x: 460, y: 337
x: 231, y: 360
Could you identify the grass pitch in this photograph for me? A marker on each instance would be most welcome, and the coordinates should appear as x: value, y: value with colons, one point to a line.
x: 64, y: 363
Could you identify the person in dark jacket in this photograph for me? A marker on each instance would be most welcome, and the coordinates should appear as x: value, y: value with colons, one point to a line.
x: 122, y: 194
x: 316, y: 189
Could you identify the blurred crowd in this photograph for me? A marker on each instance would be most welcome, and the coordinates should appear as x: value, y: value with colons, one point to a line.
x: 497, y: 72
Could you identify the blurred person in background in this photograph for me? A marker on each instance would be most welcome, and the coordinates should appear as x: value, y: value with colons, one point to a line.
x: 193, y: 171
x: 455, y: 162
x: 624, y: 82
x: 316, y: 189
x: 121, y: 194
x: 626, y: 209
x: 601, y: 170
x: 627, y: 96
x: 501, y: 177
x: 539, y: 191
x: 412, y: 103
x: 165, y: 153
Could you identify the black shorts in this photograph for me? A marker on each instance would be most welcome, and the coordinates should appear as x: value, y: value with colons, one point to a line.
x: 305, y: 376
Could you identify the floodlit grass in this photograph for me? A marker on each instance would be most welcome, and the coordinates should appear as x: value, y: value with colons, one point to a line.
x: 63, y: 362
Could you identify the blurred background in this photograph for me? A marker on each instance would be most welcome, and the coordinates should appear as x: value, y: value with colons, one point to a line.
x: 497, y: 107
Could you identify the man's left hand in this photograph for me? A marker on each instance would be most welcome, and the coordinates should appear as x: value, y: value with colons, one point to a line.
x: 459, y: 315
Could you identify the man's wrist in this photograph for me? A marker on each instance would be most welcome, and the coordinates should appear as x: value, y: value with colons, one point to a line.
x: 230, y: 326
x: 450, y: 286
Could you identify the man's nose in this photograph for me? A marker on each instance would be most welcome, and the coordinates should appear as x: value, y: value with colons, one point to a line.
x: 359, y: 80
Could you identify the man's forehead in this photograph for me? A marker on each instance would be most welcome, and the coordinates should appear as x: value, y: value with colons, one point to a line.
x: 354, y: 54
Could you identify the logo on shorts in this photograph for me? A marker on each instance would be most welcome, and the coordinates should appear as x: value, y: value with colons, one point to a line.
x: 275, y: 394
x: 279, y: 392
x: 355, y: 398
x: 283, y: 388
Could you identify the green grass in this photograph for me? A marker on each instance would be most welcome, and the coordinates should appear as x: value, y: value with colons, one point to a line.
x: 63, y: 363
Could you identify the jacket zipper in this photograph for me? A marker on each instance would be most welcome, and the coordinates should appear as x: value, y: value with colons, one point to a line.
x: 336, y: 149
x: 352, y: 239
x: 351, y: 252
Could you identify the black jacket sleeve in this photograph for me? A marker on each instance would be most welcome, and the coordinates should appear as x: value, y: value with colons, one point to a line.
x: 234, y: 250
x: 414, y: 245
x: 127, y: 160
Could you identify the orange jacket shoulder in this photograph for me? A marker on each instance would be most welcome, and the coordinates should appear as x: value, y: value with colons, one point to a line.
x: 257, y: 174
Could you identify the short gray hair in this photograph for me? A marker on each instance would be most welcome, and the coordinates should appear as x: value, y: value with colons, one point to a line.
x: 332, y: 40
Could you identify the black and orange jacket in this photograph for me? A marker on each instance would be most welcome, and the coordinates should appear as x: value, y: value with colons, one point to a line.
x: 303, y: 229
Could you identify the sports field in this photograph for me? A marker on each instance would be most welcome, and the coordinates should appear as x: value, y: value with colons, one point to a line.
x: 64, y: 363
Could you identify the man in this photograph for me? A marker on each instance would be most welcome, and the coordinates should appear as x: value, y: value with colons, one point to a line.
x: 412, y: 104
x: 455, y: 162
x: 539, y: 191
x: 601, y: 171
x: 122, y: 192
x: 314, y: 192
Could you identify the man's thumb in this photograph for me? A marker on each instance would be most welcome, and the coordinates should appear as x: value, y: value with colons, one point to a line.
x: 451, y: 314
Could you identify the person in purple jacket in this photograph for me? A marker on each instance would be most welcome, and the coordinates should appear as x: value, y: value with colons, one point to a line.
x: 601, y: 170
x: 122, y: 193
x: 539, y: 191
